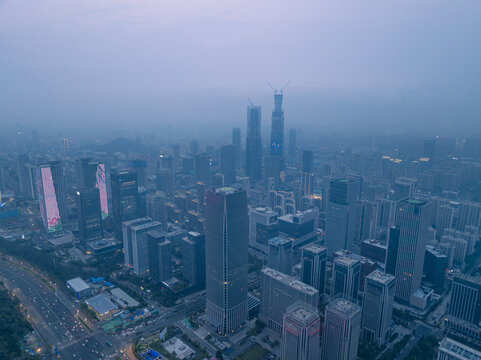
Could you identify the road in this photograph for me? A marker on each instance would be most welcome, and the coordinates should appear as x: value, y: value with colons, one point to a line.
x: 54, y: 321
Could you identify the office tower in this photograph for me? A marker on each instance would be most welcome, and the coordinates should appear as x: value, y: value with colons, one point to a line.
x: 387, y: 212
x: 254, y: 144
x: 226, y: 224
x: 301, y: 227
x: 23, y: 174
x: 92, y: 175
x: 307, y: 161
x: 165, y: 180
x: 341, y: 330
x: 193, y: 258
x: 292, y: 151
x: 140, y: 247
x: 32, y: 182
x: 156, y: 208
x: 139, y: 167
x: 194, y: 147
x: 236, y: 141
x: 341, y: 215
x: 406, y: 247
x: 89, y: 214
x: 202, y: 168
x: 127, y: 238
x: 444, y: 219
x: 278, y: 292
x: 313, y: 267
x: 403, y: 188
x: 273, y: 167
x: 307, y: 183
x: 453, y: 350
x: 228, y: 164
x: 469, y: 214
x: 469, y: 235
x: 263, y: 225
x: 346, y: 275
x: 368, y: 219
x: 465, y: 302
x: 159, y: 256
x: 277, y: 126
x: 435, y: 265
x: 125, y: 197
x: 280, y: 255
x: 300, y: 335
x: 52, y: 196
x: 460, y: 247
x: 377, y: 307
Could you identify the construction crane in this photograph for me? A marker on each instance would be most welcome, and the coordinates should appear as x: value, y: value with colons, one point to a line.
x: 275, y: 90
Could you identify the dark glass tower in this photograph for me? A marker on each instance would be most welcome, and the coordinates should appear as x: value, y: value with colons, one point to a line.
x: 236, y: 140
x: 277, y: 129
x: 254, y: 144
x: 125, y: 197
x: 228, y: 164
x: 89, y: 213
x: 226, y: 238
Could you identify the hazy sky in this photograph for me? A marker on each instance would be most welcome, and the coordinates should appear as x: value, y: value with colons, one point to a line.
x: 409, y: 62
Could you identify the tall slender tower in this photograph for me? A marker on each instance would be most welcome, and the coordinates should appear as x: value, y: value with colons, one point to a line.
x: 236, y: 141
x: 226, y: 238
x: 277, y: 127
x: 254, y: 144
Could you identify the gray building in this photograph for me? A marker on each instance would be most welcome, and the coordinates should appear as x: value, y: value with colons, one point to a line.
x: 341, y: 330
x: 156, y: 208
x: 254, y: 144
x: 300, y: 227
x: 300, y: 335
x: 280, y: 255
x: 377, y: 307
x: 127, y: 238
x: 278, y: 292
x: 465, y: 302
x: 228, y: 164
x: 193, y: 258
x: 406, y: 247
x: 159, y: 256
x: 226, y: 224
x: 263, y: 225
x: 140, y: 253
x: 453, y: 350
x: 313, y: 267
x: 346, y: 274
x: 341, y: 215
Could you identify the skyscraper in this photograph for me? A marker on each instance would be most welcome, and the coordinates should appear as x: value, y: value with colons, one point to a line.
x: 89, y: 214
x: 313, y: 267
x: 280, y: 255
x: 228, y: 164
x: 193, y: 258
x: 307, y: 161
x: 156, y: 207
x: 465, y: 302
x: 140, y: 246
x: 127, y: 238
x: 254, y: 144
x: 159, y: 256
x: 125, y: 197
x: 341, y: 330
x: 453, y: 350
x: 236, y: 141
x: 300, y: 335
x: 92, y: 175
x: 263, y: 226
x: 278, y: 292
x: 52, y: 196
x: 406, y: 247
x: 377, y: 307
x: 277, y: 127
x: 226, y: 236
x: 346, y: 274
x: 202, y: 168
x: 292, y: 143
x: 341, y: 215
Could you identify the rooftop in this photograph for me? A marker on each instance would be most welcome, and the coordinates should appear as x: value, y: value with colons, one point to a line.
x: 77, y: 284
x: 101, y: 304
x: 381, y: 277
x: 314, y: 248
x: 343, y: 306
x: 290, y: 281
x: 279, y: 241
x: 346, y: 260
x: 459, y: 350
x: 122, y: 295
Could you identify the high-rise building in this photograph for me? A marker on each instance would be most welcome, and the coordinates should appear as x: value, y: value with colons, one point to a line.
x: 465, y: 302
x: 156, y: 208
x: 254, y: 144
x: 127, y: 238
x: 194, y: 147
x: 277, y: 127
x: 226, y: 237
x: 368, y: 219
x: 92, y: 175
x: 346, y: 274
x: 377, y: 307
x: 307, y: 161
x: 52, y: 196
x: 202, y: 168
x: 435, y: 265
x: 165, y: 180
x: 292, y: 151
x: 125, y: 197
x: 313, y: 267
x: 263, y: 225
x: 159, y: 256
x: 193, y: 258
x: 236, y: 141
x: 278, y: 292
x: 403, y: 188
x: 452, y: 350
x: 23, y: 174
x: 300, y: 335
x: 228, y: 164
x: 89, y: 213
x: 140, y: 246
x: 300, y: 227
x: 341, y: 215
x: 406, y: 247
x: 280, y: 255
x: 341, y: 330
